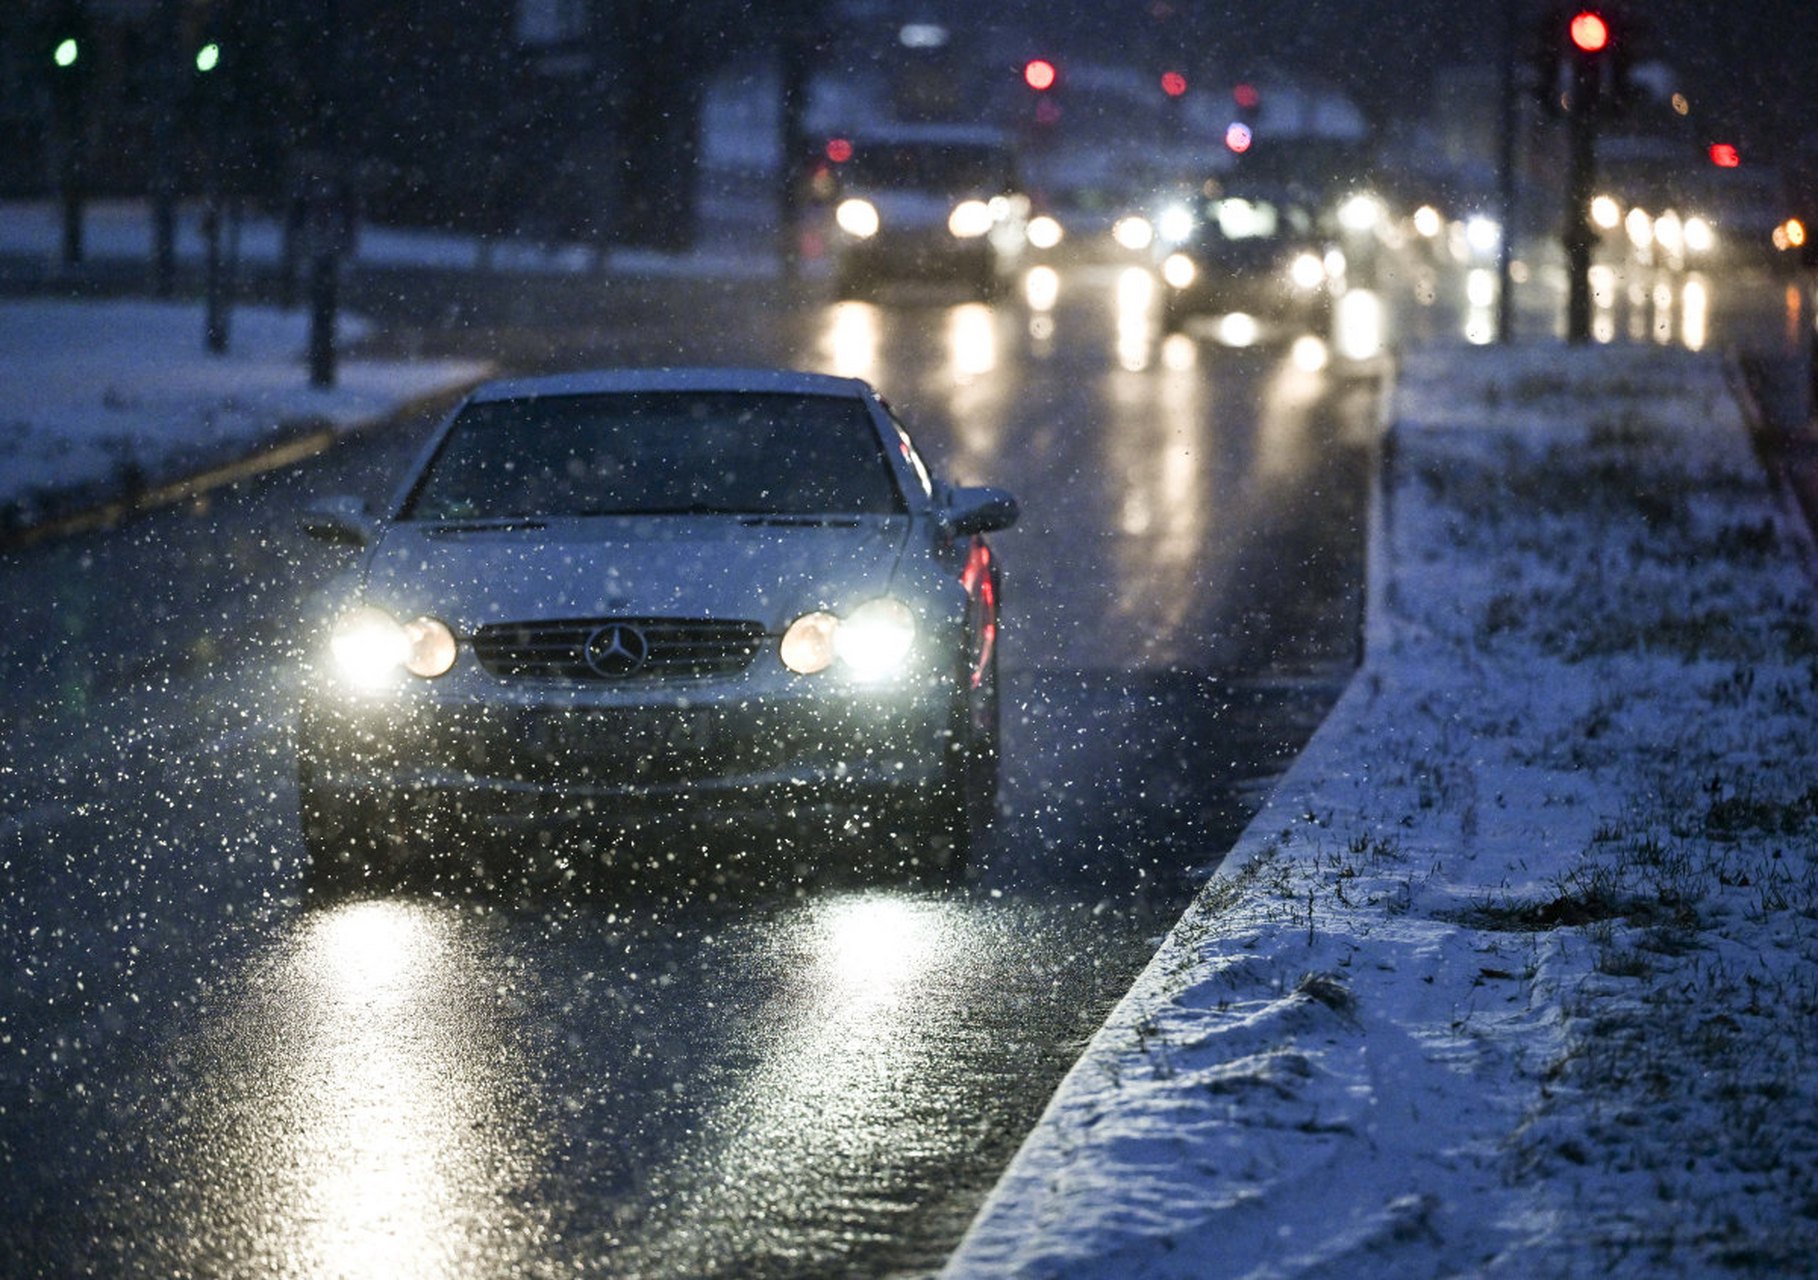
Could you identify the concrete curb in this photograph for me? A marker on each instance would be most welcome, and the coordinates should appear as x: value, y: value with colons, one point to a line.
x: 980, y: 1252
x: 101, y: 504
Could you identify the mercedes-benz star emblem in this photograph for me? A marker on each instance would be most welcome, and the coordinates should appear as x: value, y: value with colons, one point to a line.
x: 616, y: 650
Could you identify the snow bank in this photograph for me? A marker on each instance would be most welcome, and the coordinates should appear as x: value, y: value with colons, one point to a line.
x: 1517, y: 972
x: 99, y: 400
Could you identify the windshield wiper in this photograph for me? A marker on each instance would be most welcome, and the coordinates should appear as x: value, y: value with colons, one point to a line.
x: 691, y: 509
x: 804, y: 520
x: 485, y: 524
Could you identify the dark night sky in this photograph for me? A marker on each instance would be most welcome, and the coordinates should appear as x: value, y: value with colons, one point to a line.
x: 1750, y: 67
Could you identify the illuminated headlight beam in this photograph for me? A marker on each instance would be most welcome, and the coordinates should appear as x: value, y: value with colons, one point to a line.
x: 872, y: 641
x: 857, y: 218
x: 370, y: 647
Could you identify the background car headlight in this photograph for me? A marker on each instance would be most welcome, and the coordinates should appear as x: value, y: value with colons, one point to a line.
x: 1133, y: 232
x: 1179, y: 270
x: 857, y: 218
x: 1175, y: 224
x: 871, y: 641
x: 969, y: 219
x: 369, y: 646
x: 1360, y: 212
x: 1307, y: 271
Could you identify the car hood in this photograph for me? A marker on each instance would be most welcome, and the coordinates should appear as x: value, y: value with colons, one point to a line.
x: 768, y: 571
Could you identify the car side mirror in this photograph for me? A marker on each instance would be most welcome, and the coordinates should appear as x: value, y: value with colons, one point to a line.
x: 979, y: 509
x: 341, y: 519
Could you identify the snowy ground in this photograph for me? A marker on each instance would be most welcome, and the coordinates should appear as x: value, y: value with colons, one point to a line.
x: 1517, y: 973
x: 101, y: 400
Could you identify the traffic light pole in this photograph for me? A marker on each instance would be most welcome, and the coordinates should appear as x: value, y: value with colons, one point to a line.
x: 1579, y: 235
x: 1508, y: 124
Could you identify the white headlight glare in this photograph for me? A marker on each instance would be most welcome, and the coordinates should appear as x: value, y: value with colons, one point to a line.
x: 1133, y: 232
x: 857, y: 218
x: 969, y: 219
x: 368, y: 646
x: 808, y: 643
x: 874, y: 638
x: 1307, y: 271
x: 1178, y: 270
x: 1045, y: 232
x: 1175, y: 224
x: 1360, y: 213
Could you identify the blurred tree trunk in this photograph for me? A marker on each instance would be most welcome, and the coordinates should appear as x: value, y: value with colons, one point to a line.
x: 798, y: 45
x: 653, y: 101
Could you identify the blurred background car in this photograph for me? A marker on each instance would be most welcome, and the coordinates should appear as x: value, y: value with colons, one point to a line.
x: 1254, y: 252
x: 930, y: 202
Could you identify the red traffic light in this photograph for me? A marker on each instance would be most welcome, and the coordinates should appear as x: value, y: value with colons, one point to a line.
x: 1173, y: 83
x: 1246, y: 96
x: 1725, y: 156
x: 1039, y: 74
x: 1590, y: 33
x: 839, y: 150
x: 1238, y: 137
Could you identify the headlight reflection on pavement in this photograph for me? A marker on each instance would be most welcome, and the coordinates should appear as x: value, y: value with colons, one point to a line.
x: 369, y: 1117
x: 849, y: 344
x: 846, y: 1088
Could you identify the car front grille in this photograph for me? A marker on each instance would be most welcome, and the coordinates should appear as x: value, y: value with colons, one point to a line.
x: 585, y: 648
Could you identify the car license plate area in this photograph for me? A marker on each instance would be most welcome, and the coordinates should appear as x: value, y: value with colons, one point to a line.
x: 619, y: 735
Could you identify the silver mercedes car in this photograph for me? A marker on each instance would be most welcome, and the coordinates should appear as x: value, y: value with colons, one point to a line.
x: 605, y: 601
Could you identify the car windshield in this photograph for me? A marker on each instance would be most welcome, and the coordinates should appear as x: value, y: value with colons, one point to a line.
x: 653, y: 453
x: 949, y: 168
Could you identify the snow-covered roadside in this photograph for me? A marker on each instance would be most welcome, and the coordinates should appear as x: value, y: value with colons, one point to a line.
x: 121, y: 230
x: 1517, y: 972
x: 101, y: 400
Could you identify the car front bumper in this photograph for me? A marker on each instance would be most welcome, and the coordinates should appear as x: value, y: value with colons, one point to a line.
x: 624, y: 756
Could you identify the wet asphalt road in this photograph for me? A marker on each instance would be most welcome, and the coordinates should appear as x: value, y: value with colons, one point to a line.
x: 698, y: 1065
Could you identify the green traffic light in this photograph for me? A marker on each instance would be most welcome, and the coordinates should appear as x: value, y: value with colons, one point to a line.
x: 67, y: 52
x: 208, y: 57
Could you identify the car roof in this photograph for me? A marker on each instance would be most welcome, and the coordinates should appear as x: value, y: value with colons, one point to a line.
x: 607, y: 381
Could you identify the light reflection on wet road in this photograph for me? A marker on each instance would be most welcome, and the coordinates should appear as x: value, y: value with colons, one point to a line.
x: 365, y: 1111
x: 664, y: 1074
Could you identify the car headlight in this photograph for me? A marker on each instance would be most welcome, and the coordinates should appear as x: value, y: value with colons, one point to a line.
x: 1360, y: 213
x: 857, y: 218
x: 1045, y: 232
x: 369, y: 646
x: 1698, y: 235
x: 872, y: 641
x: 1175, y: 224
x: 1178, y: 270
x: 1133, y: 232
x: 1307, y: 271
x: 1484, y: 235
x: 969, y: 219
